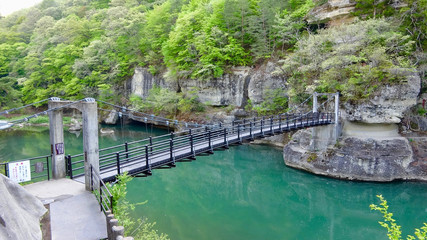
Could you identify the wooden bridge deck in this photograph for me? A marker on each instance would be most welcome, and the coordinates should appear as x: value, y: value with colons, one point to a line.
x: 171, y: 148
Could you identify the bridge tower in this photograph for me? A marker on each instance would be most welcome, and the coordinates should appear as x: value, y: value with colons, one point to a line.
x: 321, y: 137
x: 89, y: 109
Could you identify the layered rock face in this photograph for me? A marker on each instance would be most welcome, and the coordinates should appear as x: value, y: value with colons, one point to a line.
x: 20, y: 212
x: 334, y: 12
x: 356, y: 158
x: 388, y: 104
x: 235, y: 88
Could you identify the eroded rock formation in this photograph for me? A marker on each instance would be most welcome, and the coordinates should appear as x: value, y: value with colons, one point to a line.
x: 357, y: 158
x: 20, y: 212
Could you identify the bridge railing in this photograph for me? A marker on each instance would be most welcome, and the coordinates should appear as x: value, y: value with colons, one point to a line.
x: 39, y: 168
x: 103, y: 194
x: 203, y: 139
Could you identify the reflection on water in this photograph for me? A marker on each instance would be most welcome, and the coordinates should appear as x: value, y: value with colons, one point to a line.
x: 21, y: 144
x: 245, y: 192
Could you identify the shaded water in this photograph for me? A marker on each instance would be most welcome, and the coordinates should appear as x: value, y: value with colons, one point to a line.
x: 246, y: 192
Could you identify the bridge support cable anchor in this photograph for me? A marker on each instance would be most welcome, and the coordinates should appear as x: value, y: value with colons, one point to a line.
x: 147, y: 164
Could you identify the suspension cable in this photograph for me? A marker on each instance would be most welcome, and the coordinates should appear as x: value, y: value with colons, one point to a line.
x: 25, y: 106
x: 45, y: 112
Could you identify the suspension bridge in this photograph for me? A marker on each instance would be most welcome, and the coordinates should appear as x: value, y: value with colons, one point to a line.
x: 95, y: 166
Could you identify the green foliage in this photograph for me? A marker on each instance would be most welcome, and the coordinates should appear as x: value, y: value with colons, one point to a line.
x: 139, y: 228
x: 164, y: 101
x: 421, y: 111
x: 373, y: 8
x: 394, y: 231
x: 354, y: 59
x: 275, y: 101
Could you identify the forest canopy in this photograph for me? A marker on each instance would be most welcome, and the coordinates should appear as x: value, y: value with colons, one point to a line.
x: 78, y: 48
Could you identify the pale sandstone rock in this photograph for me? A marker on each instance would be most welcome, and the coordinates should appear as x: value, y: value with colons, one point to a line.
x: 20, y: 212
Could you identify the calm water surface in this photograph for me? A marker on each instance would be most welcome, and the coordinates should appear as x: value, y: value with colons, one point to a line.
x: 247, y: 192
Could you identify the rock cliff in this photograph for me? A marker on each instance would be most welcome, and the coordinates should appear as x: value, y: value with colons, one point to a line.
x: 359, y: 158
x: 20, y: 212
x: 333, y: 12
x: 234, y: 88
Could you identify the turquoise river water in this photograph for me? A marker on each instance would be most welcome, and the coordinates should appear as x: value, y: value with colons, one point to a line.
x: 246, y: 192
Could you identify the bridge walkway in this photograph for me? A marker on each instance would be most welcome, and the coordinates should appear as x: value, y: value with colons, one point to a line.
x: 187, y: 145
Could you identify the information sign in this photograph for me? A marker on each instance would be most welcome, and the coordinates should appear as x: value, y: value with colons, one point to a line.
x: 59, y: 148
x: 20, y: 171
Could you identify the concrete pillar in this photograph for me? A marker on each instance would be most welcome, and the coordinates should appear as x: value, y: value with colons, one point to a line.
x: 337, y: 108
x: 56, y: 132
x: 118, y: 231
x: 90, y: 140
x: 315, y: 102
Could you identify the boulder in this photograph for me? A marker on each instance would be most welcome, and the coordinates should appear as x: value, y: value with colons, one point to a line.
x: 111, y: 118
x: 76, y: 125
x: 358, y: 158
x: 20, y: 212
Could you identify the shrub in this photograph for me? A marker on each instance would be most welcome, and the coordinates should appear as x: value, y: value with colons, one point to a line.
x: 394, y: 231
x: 354, y: 59
x: 138, y: 228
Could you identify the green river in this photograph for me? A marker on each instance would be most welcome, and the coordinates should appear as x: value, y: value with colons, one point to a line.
x: 245, y: 192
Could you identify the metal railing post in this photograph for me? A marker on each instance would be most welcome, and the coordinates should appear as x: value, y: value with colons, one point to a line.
x: 126, y: 149
x: 70, y: 167
x: 146, y: 158
x: 238, y: 133
x: 209, y: 140
x: 100, y: 194
x: 271, y: 126
x: 280, y: 123
x: 91, y: 179
x: 225, y: 137
x: 151, y: 144
x: 48, y: 170
x: 262, y: 125
x: 300, y: 116
x: 250, y: 131
x: 111, y: 204
x: 171, y: 150
x: 192, y: 143
x: 118, y: 162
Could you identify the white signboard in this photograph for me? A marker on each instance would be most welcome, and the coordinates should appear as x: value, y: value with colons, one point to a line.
x: 20, y: 171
